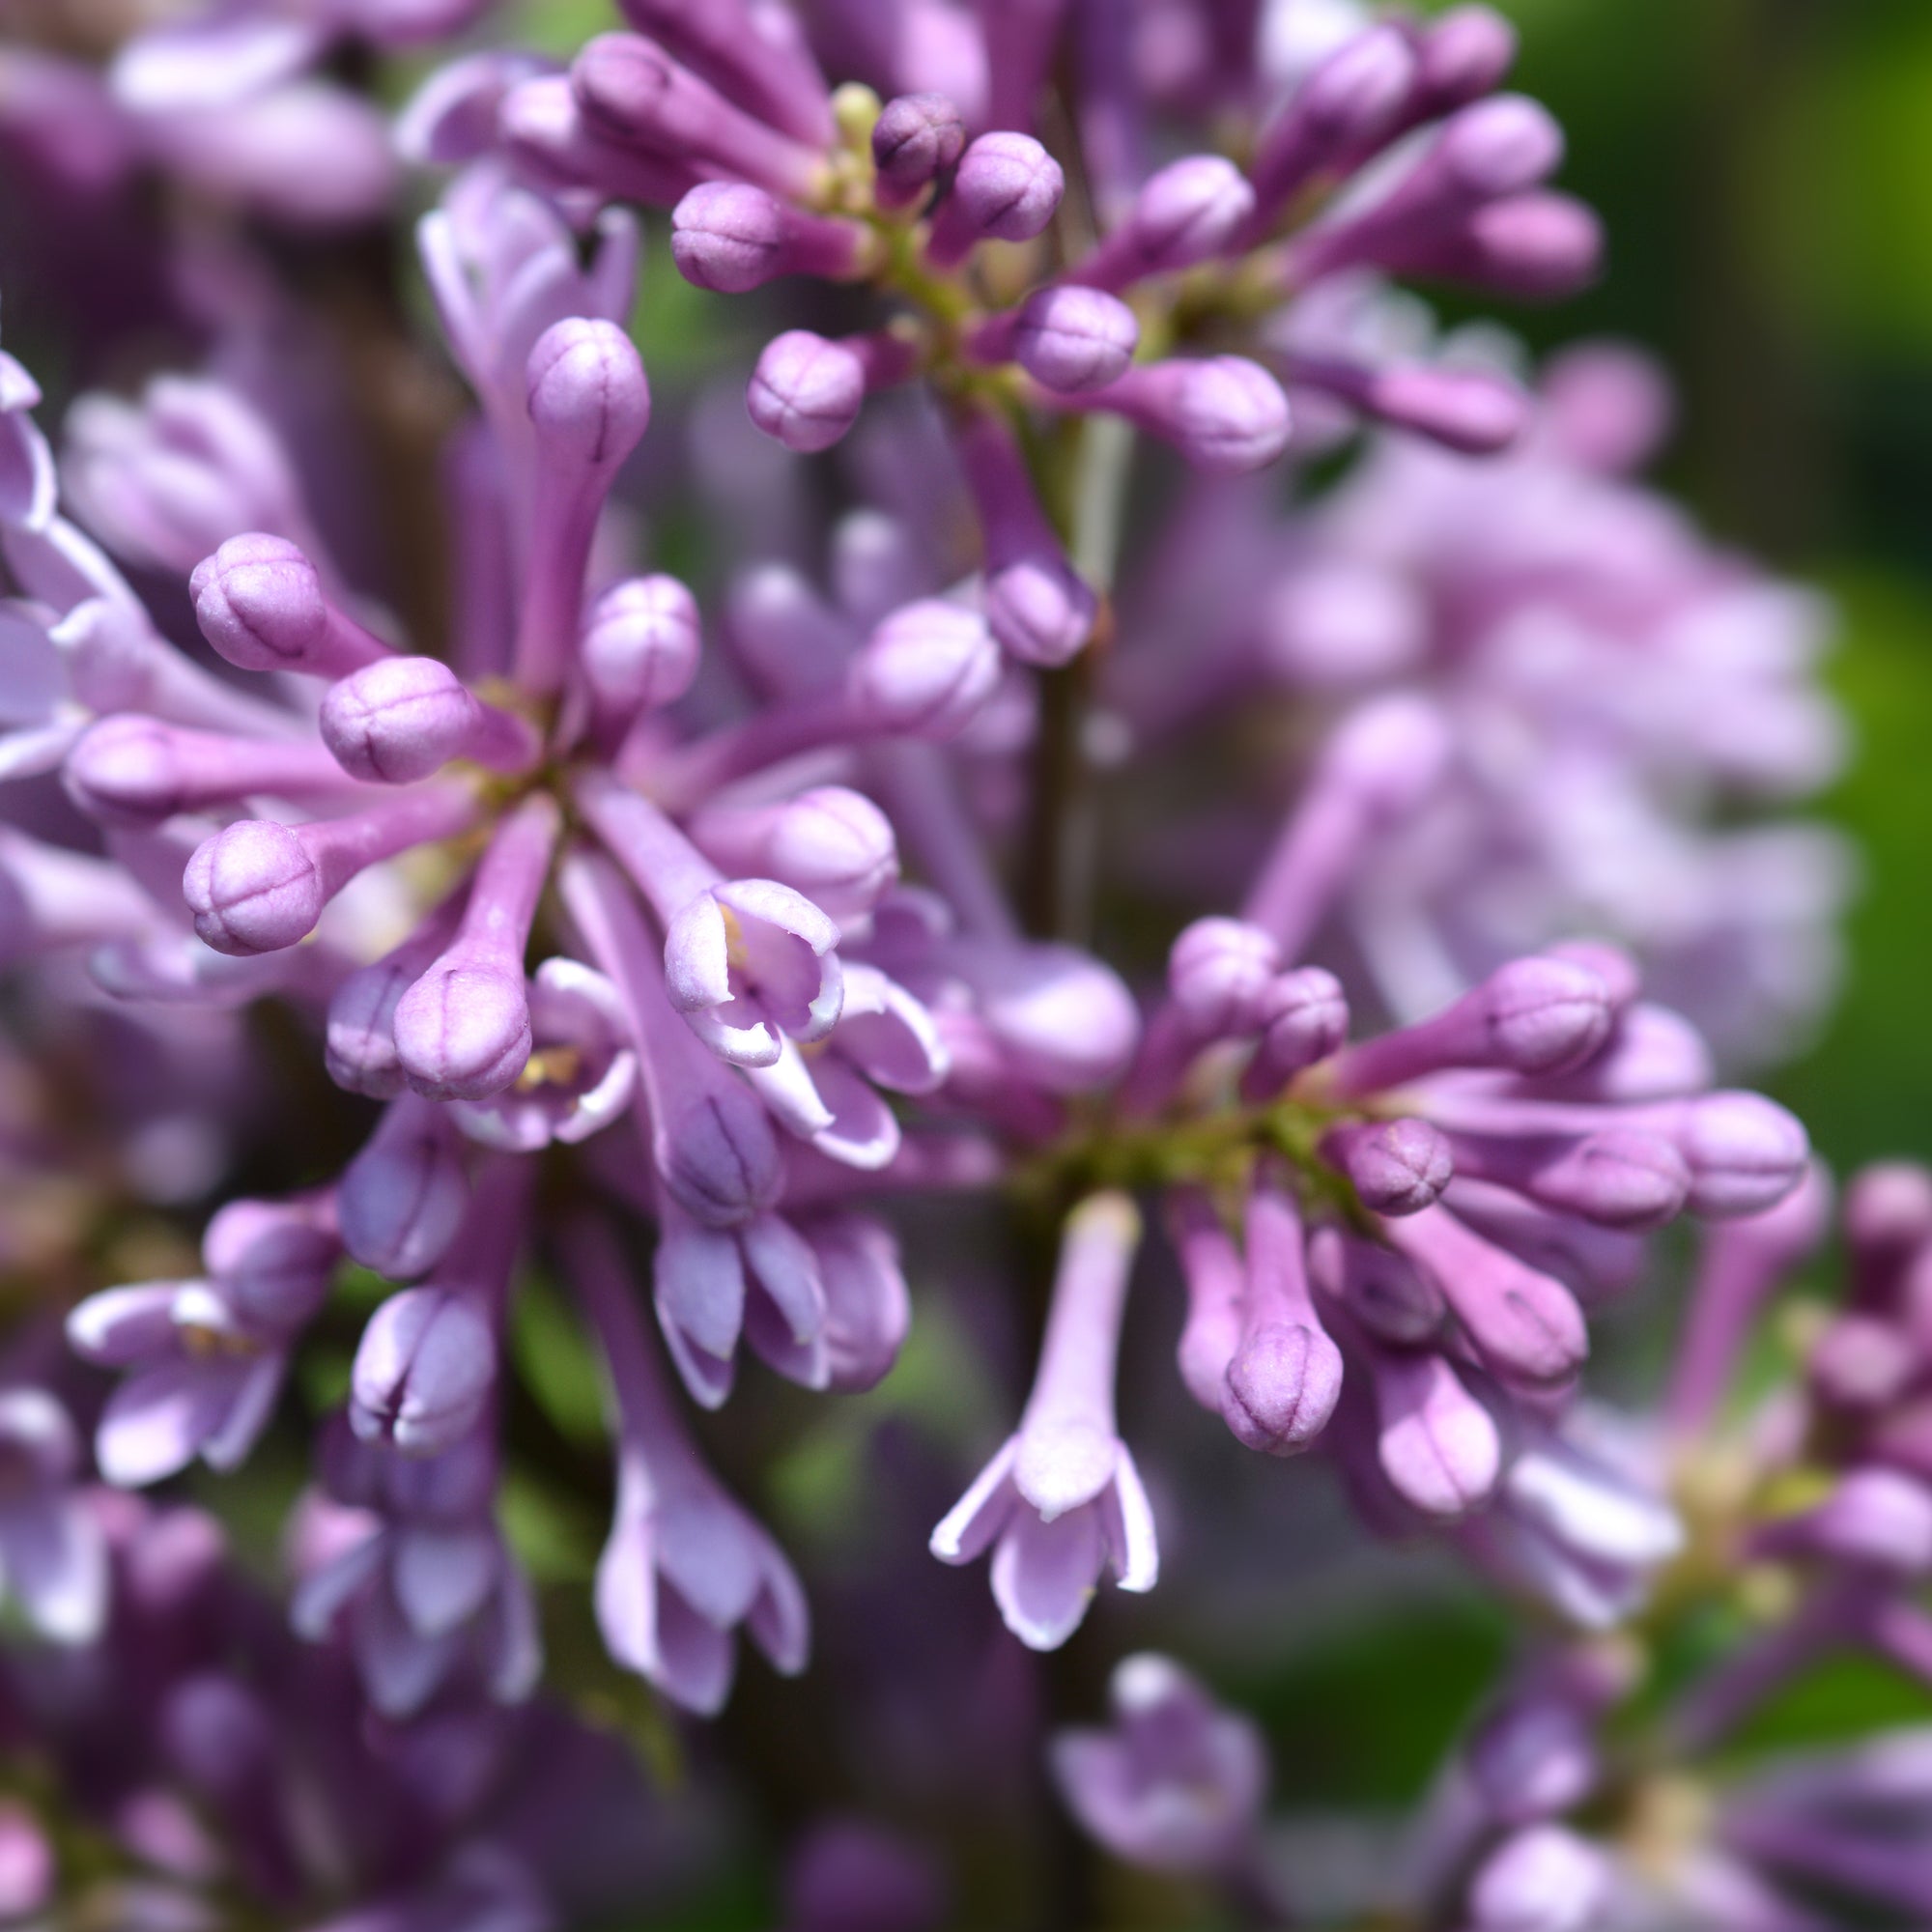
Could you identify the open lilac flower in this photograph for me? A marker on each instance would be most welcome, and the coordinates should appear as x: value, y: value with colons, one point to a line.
x: 1061, y: 1503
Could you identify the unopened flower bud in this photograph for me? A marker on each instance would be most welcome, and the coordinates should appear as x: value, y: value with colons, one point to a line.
x: 260, y: 601
x: 426, y: 1363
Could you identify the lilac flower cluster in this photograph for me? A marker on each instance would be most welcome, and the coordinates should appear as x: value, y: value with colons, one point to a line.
x: 661, y: 938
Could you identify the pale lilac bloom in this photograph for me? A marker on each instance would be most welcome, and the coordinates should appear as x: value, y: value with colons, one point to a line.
x: 53, y: 1555
x: 1062, y: 1502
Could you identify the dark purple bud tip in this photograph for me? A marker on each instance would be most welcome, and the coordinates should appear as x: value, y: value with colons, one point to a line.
x: 1073, y: 339
x: 805, y: 392
x: 1397, y: 1167
x: 427, y: 1360
x: 1009, y: 186
x: 463, y: 1032
x: 1545, y: 1015
x: 588, y: 397
x: 925, y: 670
x: 916, y: 138
x: 399, y: 720
x: 260, y: 603
x: 253, y: 888
x: 1282, y: 1387
x: 641, y: 645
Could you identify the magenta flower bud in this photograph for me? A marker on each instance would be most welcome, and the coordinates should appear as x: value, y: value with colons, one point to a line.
x: 1007, y: 190
x: 1888, y: 1220
x: 1303, y: 1018
x: 1545, y: 1879
x: 1526, y: 1326
x: 589, y: 406
x: 1345, y: 107
x: 1218, y: 972
x: 1396, y: 1167
x: 1464, y: 54
x: 555, y: 146
x: 272, y: 1259
x: 1190, y: 212
x: 1877, y: 1519
x: 1541, y: 246
x: 1745, y: 1153
x: 401, y: 719
x: 1216, y: 1287
x: 1534, y: 1015
x: 731, y: 238
x: 463, y: 1031
x: 733, y: 46
x: 260, y: 601
x: 588, y: 398
x: 1284, y: 1377
x: 915, y: 140
x: 403, y: 1199
x: 925, y: 672
x: 1498, y: 147
x: 1436, y: 1444
x: 1377, y: 1287
x: 1618, y: 1178
x: 136, y: 771
x: 834, y: 845
x: 1468, y: 410
x: 631, y: 91
x: 360, y: 1045
x: 1225, y: 415
x: 1039, y: 607
x: 1652, y: 1053
x: 257, y: 886
x: 1069, y: 339
x: 426, y: 1364
x: 640, y: 650
x: 805, y: 392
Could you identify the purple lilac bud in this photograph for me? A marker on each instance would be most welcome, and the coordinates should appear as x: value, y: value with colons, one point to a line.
x: 1531, y: 248
x: 1526, y: 1326
x: 1063, y: 1499
x: 1190, y: 212
x: 916, y: 139
x: 732, y: 238
x: 1377, y: 1286
x: 1220, y: 972
x: 1037, y: 604
x: 1285, y: 1376
x: 360, y: 1046
x: 556, y: 147
x: 805, y: 392
x: 735, y: 48
x: 589, y: 405
x: 425, y: 1368
x: 925, y: 672
x: 1008, y: 188
x: 631, y: 91
x: 1216, y: 1286
x: 1396, y: 1167
x: 403, y: 718
x: 1535, y: 1016
x: 1225, y: 415
x: 1068, y: 339
x: 257, y: 886
x: 135, y: 771
x: 1745, y: 1152
x: 1466, y: 409
x: 404, y: 1198
x: 1436, y: 1443
x: 1303, y: 1017
x: 1618, y: 1178
x: 1349, y: 104
x: 1464, y: 53
x: 260, y: 603
x: 463, y: 1031
x: 640, y: 646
